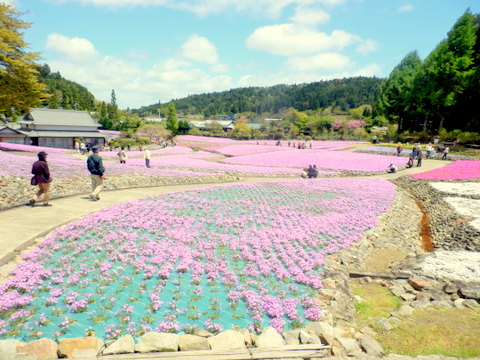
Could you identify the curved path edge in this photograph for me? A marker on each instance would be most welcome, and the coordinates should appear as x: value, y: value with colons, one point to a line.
x: 22, y: 227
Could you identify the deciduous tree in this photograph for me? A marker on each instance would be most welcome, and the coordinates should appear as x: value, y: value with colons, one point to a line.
x: 20, y: 88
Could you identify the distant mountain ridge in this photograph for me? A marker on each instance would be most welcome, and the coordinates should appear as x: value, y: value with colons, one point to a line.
x: 343, y: 94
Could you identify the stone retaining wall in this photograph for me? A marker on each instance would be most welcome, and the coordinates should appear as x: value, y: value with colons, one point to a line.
x: 449, y: 230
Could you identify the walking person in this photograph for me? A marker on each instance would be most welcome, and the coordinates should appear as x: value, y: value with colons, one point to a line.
x: 147, y: 155
x: 445, y: 153
x: 399, y: 149
x: 122, y: 155
x: 419, y: 157
x: 42, y: 179
x: 95, y: 166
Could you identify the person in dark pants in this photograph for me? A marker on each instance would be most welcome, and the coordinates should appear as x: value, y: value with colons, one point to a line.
x: 419, y: 157
x: 42, y: 178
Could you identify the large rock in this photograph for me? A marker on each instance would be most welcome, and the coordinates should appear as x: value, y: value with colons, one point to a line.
x: 228, y: 339
x: 470, y: 292
x: 192, y: 342
x: 153, y: 341
x: 324, y: 331
x: 123, y: 345
x: 370, y: 345
x: 79, y: 347
x: 350, y: 345
x: 8, y: 348
x: 405, y: 310
x: 43, y: 349
x: 269, y: 338
x: 292, y: 337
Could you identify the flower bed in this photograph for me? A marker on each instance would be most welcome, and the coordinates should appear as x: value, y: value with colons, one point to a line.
x: 63, y: 165
x: 390, y: 150
x: 459, y: 170
x: 324, y: 159
x: 231, y: 256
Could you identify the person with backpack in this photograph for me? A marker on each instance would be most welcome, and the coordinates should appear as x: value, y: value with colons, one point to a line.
x: 96, y: 169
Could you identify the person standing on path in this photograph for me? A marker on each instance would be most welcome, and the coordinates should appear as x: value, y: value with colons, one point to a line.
x: 399, y: 149
x: 445, y: 153
x: 95, y: 166
x: 147, y: 155
x: 122, y: 155
x: 419, y: 157
x: 43, y: 179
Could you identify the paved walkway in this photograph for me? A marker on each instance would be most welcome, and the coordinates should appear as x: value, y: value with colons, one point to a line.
x: 22, y: 227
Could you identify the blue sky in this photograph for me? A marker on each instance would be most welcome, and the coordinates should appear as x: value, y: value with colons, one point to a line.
x: 158, y: 50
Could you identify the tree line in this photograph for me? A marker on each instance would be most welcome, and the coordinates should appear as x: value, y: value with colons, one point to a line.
x: 440, y: 93
x: 343, y: 94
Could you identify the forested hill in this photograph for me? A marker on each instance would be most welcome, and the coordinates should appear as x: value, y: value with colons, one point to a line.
x: 342, y: 93
x: 66, y: 94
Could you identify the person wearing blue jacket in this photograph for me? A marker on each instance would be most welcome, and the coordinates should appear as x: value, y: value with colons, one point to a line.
x: 95, y: 166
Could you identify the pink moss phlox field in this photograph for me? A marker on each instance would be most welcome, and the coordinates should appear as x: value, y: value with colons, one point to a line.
x: 156, y: 152
x: 247, y: 255
x: 322, y: 158
x: 31, y: 148
x: 65, y: 165
x: 459, y: 170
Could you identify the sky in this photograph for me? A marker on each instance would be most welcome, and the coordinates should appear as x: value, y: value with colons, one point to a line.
x: 157, y: 50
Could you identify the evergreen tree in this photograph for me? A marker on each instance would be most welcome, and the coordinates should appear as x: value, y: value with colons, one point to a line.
x: 20, y: 88
x: 172, y: 122
x: 112, y: 108
x: 397, y: 90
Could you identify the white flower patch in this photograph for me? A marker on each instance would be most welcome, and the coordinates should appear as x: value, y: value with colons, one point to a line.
x: 453, y: 265
x: 466, y: 207
x: 461, y: 189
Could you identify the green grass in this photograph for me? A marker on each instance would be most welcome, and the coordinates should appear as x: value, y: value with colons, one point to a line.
x: 448, y: 332
x: 379, y: 302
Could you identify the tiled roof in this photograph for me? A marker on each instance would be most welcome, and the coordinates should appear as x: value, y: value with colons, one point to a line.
x: 60, y: 117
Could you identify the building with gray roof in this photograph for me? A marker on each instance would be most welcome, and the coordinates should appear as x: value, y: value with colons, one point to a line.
x: 53, y: 128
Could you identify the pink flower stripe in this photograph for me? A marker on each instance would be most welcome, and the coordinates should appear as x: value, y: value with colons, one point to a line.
x: 245, y: 149
x: 322, y: 158
x: 188, y: 162
x: 459, y: 170
x: 31, y: 148
x: 250, y: 255
x: 137, y: 153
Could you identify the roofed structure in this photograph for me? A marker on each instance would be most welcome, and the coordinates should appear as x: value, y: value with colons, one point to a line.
x: 53, y: 128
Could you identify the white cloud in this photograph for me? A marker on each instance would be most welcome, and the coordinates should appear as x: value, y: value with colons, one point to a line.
x: 77, y: 60
x: 309, y: 16
x: 293, y: 40
x: 9, y: 2
x: 327, y: 61
x: 367, y: 47
x: 405, y: 8
x: 200, y: 49
x: 269, y: 8
x: 74, y: 49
